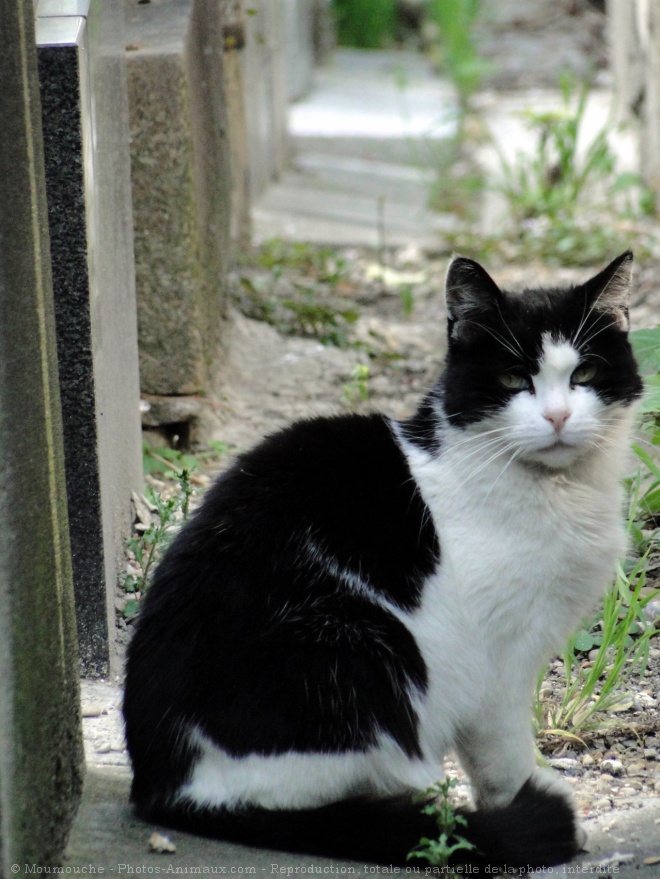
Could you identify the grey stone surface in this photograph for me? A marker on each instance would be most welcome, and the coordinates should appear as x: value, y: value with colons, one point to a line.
x: 364, y: 142
x: 107, y: 834
x: 88, y: 183
x: 40, y: 734
x: 233, y: 22
x: 265, y: 71
x: 300, y: 54
x: 181, y: 187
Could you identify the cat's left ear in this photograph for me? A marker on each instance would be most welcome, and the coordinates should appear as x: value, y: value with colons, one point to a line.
x: 609, y: 290
x: 469, y: 290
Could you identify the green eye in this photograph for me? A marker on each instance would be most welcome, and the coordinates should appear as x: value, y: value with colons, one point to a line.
x: 583, y: 374
x: 514, y: 381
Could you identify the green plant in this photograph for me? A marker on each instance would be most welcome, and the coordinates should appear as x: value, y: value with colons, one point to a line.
x: 459, y: 54
x: 407, y: 297
x: 322, y: 263
x: 557, y: 193
x: 622, y: 635
x: 357, y: 390
x: 438, y: 851
x: 554, y: 177
x: 168, y: 462
x: 147, y: 547
x: 327, y: 322
x: 366, y: 24
x: 298, y: 308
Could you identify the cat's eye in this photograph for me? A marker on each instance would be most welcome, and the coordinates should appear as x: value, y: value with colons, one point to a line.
x: 514, y: 381
x: 583, y: 374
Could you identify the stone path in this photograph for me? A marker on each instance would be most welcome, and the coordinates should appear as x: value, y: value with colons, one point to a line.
x: 362, y: 155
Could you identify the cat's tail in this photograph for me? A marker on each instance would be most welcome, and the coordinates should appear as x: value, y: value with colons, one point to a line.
x: 538, y: 829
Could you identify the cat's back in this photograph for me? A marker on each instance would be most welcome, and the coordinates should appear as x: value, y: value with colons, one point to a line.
x: 333, y: 494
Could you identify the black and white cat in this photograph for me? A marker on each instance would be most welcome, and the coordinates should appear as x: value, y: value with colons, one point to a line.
x: 356, y: 596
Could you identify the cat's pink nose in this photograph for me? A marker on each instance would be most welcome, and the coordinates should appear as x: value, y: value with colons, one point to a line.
x: 557, y: 417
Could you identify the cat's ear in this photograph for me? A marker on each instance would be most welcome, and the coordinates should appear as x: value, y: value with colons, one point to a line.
x: 609, y: 290
x: 469, y: 291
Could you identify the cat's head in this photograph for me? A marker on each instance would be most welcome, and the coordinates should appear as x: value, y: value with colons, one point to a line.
x: 550, y: 372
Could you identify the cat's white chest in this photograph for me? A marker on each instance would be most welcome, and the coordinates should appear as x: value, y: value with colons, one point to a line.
x: 522, y: 560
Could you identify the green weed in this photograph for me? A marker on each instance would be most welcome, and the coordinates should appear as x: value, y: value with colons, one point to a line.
x: 557, y: 194
x: 622, y: 634
x: 366, y: 24
x: 168, y: 462
x: 300, y: 309
x: 458, y: 51
x: 357, y: 390
x: 148, y: 546
x: 322, y: 263
x: 438, y: 851
x: 407, y: 297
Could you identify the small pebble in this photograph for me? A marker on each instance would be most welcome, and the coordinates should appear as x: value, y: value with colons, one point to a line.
x: 565, y: 764
x: 103, y: 748
x: 603, y: 804
x: 651, y: 753
x: 642, y: 701
x: 161, y: 844
x: 613, y: 767
x: 93, y: 710
x: 587, y: 760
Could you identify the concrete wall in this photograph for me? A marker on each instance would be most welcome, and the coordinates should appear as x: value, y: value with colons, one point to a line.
x: 40, y: 735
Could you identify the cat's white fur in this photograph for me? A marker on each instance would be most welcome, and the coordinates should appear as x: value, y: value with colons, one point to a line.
x: 528, y: 508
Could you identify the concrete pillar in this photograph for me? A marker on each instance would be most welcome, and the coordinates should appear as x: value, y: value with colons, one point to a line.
x: 634, y: 27
x: 40, y: 734
x: 265, y: 74
x: 85, y: 124
x: 181, y: 194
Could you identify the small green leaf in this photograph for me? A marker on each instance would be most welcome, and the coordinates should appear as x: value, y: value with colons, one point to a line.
x: 583, y: 641
x: 131, y: 608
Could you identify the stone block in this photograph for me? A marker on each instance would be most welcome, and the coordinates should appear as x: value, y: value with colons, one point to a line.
x: 41, y: 754
x: 85, y: 124
x: 300, y: 51
x: 265, y: 74
x: 181, y: 189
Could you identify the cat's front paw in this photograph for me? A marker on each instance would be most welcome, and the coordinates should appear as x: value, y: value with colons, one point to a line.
x: 548, y: 781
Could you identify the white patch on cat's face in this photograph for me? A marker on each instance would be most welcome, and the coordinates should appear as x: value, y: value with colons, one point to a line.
x: 557, y: 422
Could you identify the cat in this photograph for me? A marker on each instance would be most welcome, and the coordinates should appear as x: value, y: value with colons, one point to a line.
x: 358, y: 596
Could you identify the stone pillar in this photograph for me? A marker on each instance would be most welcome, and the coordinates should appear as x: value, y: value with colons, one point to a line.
x: 181, y: 197
x: 85, y: 124
x: 233, y: 22
x: 265, y: 74
x: 634, y: 27
x: 40, y: 734
x: 300, y: 47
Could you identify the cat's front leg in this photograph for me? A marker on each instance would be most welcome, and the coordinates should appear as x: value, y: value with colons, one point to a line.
x: 499, y: 756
